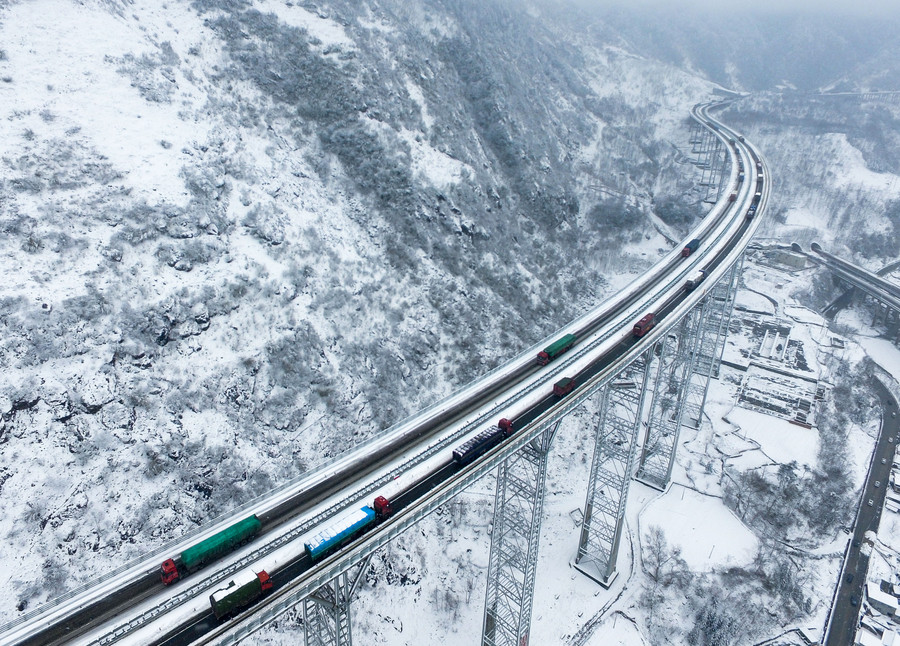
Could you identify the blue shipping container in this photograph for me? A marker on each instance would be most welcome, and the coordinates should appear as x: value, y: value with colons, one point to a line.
x: 339, y: 531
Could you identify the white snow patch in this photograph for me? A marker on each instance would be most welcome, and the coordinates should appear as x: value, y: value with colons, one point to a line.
x: 858, y: 320
x: 804, y: 315
x: 616, y: 630
x: 747, y: 300
x: 58, y: 58
x: 884, y: 353
x: 415, y: 93
x: 439, y: 169
x: 777, y: 438
x: 851, y: 170
x: 710, y: 535
x: 802, y: 217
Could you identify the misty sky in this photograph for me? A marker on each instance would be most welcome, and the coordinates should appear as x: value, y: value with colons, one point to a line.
x: 861, y: 7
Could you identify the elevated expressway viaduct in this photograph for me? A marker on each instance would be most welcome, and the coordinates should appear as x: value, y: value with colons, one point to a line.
x: 644, y: 385
x: 885, y: 293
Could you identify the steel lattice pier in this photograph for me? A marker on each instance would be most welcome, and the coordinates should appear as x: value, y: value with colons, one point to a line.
x: 518, y: 506
x: 619, y: 418
x: 326, y: 613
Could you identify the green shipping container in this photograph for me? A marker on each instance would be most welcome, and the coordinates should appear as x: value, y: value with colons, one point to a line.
x: 560, y: 346
x: 242, y: 589
x: 222, y: 543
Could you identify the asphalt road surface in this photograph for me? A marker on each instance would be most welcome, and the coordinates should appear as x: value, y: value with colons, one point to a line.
x: 852, y: 586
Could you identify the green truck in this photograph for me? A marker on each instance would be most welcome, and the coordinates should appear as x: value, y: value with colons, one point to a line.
x: 196, y: 556
x: 243, y: 588
x: 555, y: 349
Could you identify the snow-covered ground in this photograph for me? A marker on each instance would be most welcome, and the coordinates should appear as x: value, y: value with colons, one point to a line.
x: 202, y: 300
x: 445, y: 558
x: 884, y: 553
x: 709, y: 535
x: 182, y: 288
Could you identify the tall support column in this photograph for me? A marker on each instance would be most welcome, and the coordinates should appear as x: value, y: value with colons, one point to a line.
x: 717, y: 308
x: 709, y: 152
x: 707, y: 147
x: 701, y: 144
x: 676, y: 358
x: 512, y: 564
x: 696, y: 137
x: 621, y: 404
x: 713, y: 172
x: 730, y: 292
x: 326, y: 614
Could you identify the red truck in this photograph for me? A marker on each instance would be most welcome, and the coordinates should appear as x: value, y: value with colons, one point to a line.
x: 644, y: 325
x: 563, y: 387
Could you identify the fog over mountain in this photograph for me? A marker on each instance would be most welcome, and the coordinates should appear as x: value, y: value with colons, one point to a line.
x: 755, y: 47
x: 720, y: 9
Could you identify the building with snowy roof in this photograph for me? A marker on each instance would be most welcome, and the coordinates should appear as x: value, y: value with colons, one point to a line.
x: 868, y: 637
x: 883, y: 602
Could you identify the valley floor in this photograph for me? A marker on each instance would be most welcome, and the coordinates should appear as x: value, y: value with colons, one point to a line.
x: 780, y: 364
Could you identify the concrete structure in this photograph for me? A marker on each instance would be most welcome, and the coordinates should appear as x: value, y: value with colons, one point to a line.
x: 883, y: 602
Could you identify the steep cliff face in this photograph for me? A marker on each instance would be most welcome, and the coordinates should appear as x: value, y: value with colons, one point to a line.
x: 241, y: 237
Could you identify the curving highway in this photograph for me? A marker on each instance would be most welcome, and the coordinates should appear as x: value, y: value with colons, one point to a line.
x: 871, y: 283
x: 410, y: 464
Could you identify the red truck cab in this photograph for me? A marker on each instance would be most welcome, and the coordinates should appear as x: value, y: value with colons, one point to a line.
x: 644, y: 325
x: 382, y: 507
x: 265, y: 581
x: 168, y: 572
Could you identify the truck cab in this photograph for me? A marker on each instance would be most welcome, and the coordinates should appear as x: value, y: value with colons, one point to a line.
x: 644, y: 325
x: 690, y: 247
x: 382, y: 508
x: 169, y: 572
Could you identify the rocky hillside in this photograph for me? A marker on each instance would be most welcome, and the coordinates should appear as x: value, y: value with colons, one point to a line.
x: 835, y: 164
x: 240, y: 237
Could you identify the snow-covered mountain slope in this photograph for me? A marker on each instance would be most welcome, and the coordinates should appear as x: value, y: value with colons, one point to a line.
x: 240, y: 237
x: 836, y: 169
